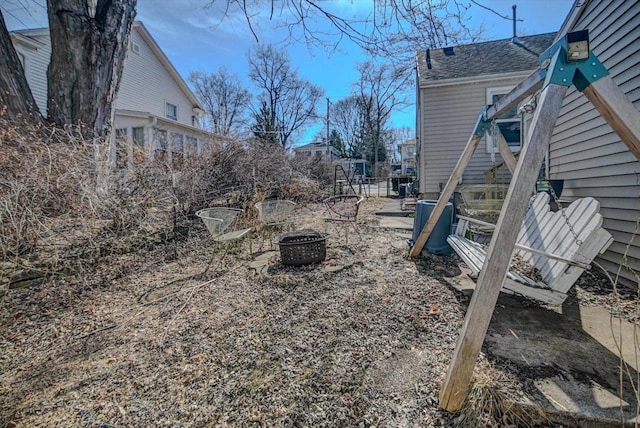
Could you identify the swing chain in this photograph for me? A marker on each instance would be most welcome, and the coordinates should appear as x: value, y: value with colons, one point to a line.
x: 564, y: 215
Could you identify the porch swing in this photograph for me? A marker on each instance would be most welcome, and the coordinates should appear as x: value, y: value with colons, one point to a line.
x: 557, y: 246
x: 552, y: 248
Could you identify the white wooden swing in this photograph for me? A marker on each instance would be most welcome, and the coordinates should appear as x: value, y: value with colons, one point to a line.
x: 559, y: 245
x: 556, y: 73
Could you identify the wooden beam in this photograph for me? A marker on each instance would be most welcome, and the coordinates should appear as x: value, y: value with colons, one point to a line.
x: 617, y: 110
x: 463, y: 161
x: 505, y: 152
x: 528, y: 86
x: 494, y: 270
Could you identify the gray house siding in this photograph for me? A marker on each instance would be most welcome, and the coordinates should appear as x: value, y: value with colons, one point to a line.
x: 585, y: 151
x: 448, y: 115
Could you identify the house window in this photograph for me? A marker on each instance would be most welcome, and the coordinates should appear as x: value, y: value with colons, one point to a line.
x: 508, y: 124
x: 177, y: 149
x: 160, y: 141
x: 121, y: 148
x: 177, y: 145
x: 191, y: 144
x: 138, y: 136
x: 172, y: 111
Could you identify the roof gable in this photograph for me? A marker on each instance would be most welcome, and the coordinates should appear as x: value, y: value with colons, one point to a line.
x: 482, y: 59
x: 146, y: 36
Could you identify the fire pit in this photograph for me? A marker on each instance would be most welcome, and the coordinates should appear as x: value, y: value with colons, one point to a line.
x: 302, y: 248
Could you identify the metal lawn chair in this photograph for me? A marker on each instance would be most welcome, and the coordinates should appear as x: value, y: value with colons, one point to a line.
x: 221, y: 222
x: 343, y: 211
x: 273, y: 214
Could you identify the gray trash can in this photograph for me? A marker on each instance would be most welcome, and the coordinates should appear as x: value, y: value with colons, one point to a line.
x: 402, y: 190
x: 437, y: 242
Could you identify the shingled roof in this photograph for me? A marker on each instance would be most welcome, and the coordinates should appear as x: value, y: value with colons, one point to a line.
x: 487, y: 58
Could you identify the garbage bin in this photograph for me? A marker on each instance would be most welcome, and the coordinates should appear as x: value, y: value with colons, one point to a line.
x: 437, y: 242
x: 402, y: 191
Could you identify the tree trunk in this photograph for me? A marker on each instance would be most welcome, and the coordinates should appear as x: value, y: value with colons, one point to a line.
x: 16, y: 99
x: 88, y: 48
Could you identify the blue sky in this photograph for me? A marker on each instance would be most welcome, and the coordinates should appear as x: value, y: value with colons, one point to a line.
x: 194, y: 38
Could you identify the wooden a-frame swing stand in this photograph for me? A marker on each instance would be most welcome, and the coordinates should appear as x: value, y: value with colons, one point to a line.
x: 556, y: 73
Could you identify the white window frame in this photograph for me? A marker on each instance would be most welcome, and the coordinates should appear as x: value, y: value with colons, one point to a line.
x: 490, y: 144
x: 138, y: 130
x: 171, y: 111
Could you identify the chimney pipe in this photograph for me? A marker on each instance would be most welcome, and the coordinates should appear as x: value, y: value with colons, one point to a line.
x: 515, y: 36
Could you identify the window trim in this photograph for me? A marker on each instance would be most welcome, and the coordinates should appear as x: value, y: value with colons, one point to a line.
x: 490, y: 92
x: 173, y: 107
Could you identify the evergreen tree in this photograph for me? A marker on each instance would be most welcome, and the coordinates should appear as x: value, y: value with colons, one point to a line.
x: 264, y: 128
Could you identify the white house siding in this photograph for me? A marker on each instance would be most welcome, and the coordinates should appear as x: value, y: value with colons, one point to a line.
x: 147, y: 86
x: 586, y: 153
x: 448, y: 117
x: 37, y: 56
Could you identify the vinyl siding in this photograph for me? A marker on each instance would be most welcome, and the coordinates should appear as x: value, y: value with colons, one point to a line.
x: 448, y: 116
x: 147, y: 85
x: 586, y: 153
x: 37, y: 61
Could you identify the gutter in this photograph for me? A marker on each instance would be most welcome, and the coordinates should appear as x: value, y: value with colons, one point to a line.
x: 476, y: 79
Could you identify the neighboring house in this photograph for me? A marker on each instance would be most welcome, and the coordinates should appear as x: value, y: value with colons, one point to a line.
x: 585, y: 151
x: 408, y: 157
x: 355, y: 168
x: 455, y: 84
x: 155, y: 110
x: 317, y: 150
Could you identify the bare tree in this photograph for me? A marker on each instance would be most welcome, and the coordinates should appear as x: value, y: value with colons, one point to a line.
x: 290, y: 100
x: 396, y: 28
x: 224, y: 98
x: 396, y: 136
x: 89, y: 40
x: 347, y: 119
x: 380, y: 92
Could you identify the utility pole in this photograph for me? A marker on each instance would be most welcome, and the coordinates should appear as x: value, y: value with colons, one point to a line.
x: 328, y: 142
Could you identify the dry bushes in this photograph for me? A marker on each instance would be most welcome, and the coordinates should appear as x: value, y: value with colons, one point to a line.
x: 61, y: 198
x: 40, y: 181
x: 240, y: 175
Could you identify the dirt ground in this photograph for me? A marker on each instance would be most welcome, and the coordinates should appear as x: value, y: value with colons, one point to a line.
x: 149, y: 340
